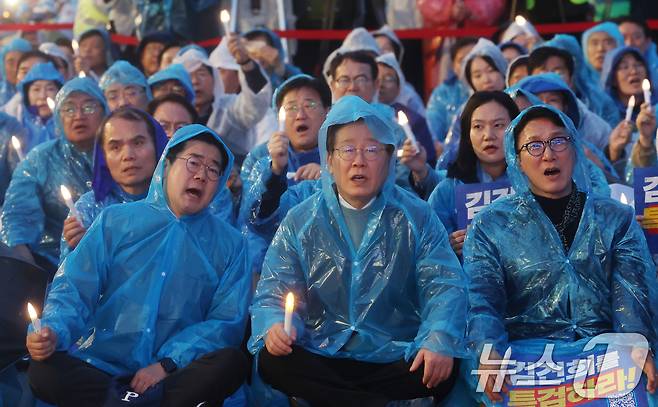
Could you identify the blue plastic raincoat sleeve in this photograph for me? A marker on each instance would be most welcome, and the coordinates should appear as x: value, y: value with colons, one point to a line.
x: 487, y: 294
x: 23, y: 218
x: 74, y: 293
x: 442, y: 201
x: 226, y: 319
x: 441, y: 281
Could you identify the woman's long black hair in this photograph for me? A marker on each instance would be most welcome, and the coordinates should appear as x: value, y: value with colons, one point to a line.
x: 464, y: 167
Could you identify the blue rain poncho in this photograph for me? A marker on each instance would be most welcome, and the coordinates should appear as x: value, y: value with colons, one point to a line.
x: 400, y: 290
x: 232, y: 116
x: 585, y: 80
x: 7, y: 90
x: 104, y: 190
x: 144, y: 285
x: 9, y: 126
x: 37, y: 129
x: 444, y: 102
x: 442, y: 199
x: 34, y: 209
x: 174, y: 72
x: 522, y: 284
x: 483, y: 48
x: 125, y: 74
x: 359, y: 39
x: 609, y: 28
x: 290, y: 69
x: 651, y: 56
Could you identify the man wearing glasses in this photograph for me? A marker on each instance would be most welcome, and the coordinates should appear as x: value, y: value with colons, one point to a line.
x: 124, y: 85
x: 353, y: 73
x: 156, y: 292
x: 380, y: 298
x: 34, y: 211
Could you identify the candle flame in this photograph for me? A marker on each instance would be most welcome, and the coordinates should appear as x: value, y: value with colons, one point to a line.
x: 623, y: 199
x: 290, y: 302
x: 520, y: 20
x: 16, y: 143
x: 402, y: 118
x: 51, y: 103
x: 138, y: 20
x: 75, y: 45
x: 646, y: 85
x: 82, y: 74
x: 224, y: 16
x: 31, y: 311
x: 631, y: 101
x: 282, y: 114
x: 66, y: 194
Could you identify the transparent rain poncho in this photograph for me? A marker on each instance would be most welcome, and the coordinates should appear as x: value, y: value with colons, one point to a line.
x: 289, y: 69
x: 34, y: 209
x: 609, y: 28
x: 400, y: 290
x: 444, y: 103
x: 9, y: 127
x: 143, y: 285
x: 174, y: 72
x: 524, y: 285
x: 123, y: 73
x: 104, y: 190
x: 584, y: 79
x: 7, y: 90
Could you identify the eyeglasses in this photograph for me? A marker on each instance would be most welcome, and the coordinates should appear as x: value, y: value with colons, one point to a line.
x: 308, y: 105
x: 389, y: 80
x: 637, y: 67
x: 86, y: 109
x: 345, y: 81
x: 537, y: 148
x: 194, y: 164
x: 128, y: 93
x: 370, y: 153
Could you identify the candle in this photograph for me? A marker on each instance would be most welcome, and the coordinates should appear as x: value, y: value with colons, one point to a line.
x: 629, y: 108
x: 404, y: 122
x: 290, y: 174
x: 225, y: 18
x: 623, y: 199
x: 82, y: 74
x: 523, y: 23
x: 646, y: 89
x: 76, y: 47
x: 15, y: 142
x: 51, y: 104
x: 282, y: 119
x: 290, y: 306
x: 66, y: 194
x: 33, y: 316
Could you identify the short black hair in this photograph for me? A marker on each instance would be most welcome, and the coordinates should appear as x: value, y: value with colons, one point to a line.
x: 254, y: 34
x: 331, y: 137
x: 464, y: 167
x: 540, y: 54
x: 459, y: 44
x: 636, y: 53
x: 35, y: 54
x: 642, y: 23
x: 91, y: 33
x: 362, y: 57
x: 173, y: 98
x: 488, y: 60
x: 536, y: 112
x: 127, y: 113
x: 173, y: 44
x: 207, y: 138
x: 320, y: 86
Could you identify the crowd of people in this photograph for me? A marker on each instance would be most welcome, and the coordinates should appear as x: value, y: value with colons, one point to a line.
x: 209, y: 186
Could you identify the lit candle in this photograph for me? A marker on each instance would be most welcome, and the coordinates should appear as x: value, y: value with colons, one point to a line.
x: 629, y: 108
x: 282, y: 119
x: 76, y: 47
x: 290, y: 306
x: 51, y: 104
x: 16, y: 143
x: 225, y: 17
x: 646, y: 89
x: 66, y: 194
x: 623, y: 199
x: 523, y: 23
x: 36, y: 323
x: 404, y: 122
x: 82, y: 74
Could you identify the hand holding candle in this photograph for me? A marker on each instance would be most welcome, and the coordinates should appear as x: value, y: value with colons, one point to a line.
x: 629, y: 108
x: 16, y: 143
x: 404, y: 122
x: 66, y: 194
x: 36, y: 323
x: 290, y: 307
x: 646, y: 90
